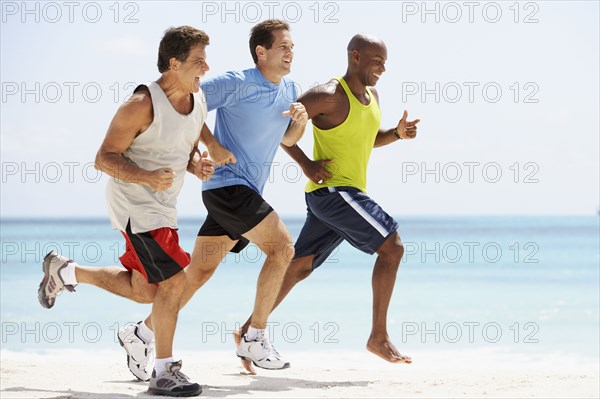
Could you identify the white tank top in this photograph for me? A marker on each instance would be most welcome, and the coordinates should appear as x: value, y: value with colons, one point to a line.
x: 166, y: 143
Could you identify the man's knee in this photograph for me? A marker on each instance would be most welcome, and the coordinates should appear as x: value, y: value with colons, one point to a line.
x: 286, y: 243
x: 175, y: 282
x: 279, y: 245
x: 199, y: 270
x: 208, y: 253
x: 392, y: 247
x: 301, y: 268
x: 288, y: 251
x: 144, y: 294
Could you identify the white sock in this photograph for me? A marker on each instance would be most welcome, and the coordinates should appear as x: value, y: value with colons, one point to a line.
x: 145, y: 332
x: 254, y: 333
x: 160, y: 364
x: 68, y: 274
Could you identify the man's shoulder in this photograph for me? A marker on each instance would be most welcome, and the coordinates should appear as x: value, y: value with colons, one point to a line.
x: 142, y: 91
x: 333, y: 87
x: 288, y: 81
x: 137, y: 111
x: 228, y: 76
x: 374, y: 91
x: 140, y: 100
x: 327, y: 91
x: 289, y: 86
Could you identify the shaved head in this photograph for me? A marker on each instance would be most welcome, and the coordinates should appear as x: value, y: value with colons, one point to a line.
x: 362, y: 41
x: 366, y: 58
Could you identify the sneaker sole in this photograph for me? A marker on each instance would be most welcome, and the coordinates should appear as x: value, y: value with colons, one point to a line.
x: 44, y: 300
x: 128, y: 358
x: 166, y: 392
x: 285, y: 366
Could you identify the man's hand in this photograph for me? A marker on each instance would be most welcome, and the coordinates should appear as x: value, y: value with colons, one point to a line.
x: 297, y: 112
x: 220, y: 155
x: 316, y: 171
x: 205, y: 168
x: 407, y: 130
x: 160, y: 179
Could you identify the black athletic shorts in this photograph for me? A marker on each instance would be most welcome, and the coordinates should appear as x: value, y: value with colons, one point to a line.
x: 233, y: 211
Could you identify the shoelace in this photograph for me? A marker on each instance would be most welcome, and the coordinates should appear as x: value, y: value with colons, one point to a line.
x: 180, y: 377
x: 270, y: 348
x: 149, y: 358
x: 64, y: 286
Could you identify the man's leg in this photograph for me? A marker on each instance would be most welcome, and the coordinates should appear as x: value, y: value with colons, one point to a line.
x: 114, y: 279
x: 61, y: 273
x: 365, y: 225
x: 162, y: 260
x: 137, y: 339
x: 273, y: 238
x: 131, y: 283
x: 164, y: 311
x: 298, y: 270
x: 383, y: 281
x: 166, y: 377
x: 208, y: 253
x: 314, y: 245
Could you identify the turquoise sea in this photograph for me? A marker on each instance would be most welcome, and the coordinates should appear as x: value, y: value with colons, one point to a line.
x: 523, y: 284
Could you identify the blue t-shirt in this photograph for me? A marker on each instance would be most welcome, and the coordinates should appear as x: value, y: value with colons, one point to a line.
x: 248, y: 123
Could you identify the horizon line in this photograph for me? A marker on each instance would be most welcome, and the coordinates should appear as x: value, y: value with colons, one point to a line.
x: 10, y: 218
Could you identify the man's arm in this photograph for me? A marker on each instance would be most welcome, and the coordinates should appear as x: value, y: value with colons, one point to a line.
x: 316, y: 102
x: 314, y: 170
x: 296, y: 127
x: 219, y: 154
x: 199, y: 164
x: 132, y: 118
x: 319, y: 101
x: 404, y: 130
x: 217, y: 92
x: 385, y: 137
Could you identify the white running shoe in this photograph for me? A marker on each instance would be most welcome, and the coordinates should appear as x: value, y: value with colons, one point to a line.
x: 52, y: 284
x: 140, y: 355
x: 172, y: 382
x: 261, y: 353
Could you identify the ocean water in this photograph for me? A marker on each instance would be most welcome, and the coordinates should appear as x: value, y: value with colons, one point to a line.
x: 522, y: 284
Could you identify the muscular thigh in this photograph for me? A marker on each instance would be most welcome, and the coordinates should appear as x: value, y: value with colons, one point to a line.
x: 271, y: 235
x: 142, y: 287
x: 209, y: 251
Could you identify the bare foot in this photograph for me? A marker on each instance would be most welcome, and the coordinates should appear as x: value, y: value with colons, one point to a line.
x: 387, y: 351
x: 246, y: 364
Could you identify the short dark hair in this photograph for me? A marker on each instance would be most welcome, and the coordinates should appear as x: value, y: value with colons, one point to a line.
x: 262, y: 35
x: 177, y: 42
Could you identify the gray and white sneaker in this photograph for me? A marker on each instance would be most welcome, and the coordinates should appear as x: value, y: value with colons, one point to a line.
x: 261, y: 353
x: 172, y: 382
x: 52, y: 284
x: 140, y: 355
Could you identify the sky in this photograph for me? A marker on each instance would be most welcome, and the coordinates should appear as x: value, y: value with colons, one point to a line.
x: 507, y: 94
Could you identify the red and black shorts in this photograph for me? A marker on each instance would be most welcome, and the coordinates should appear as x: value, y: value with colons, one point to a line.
x: 156, y: 254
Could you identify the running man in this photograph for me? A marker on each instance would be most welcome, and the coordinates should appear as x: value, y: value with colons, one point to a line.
x: 256, y: 112
x: 346, y: 126
x: 150, y: 144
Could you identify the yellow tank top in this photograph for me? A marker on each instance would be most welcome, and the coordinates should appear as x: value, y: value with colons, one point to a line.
x: 349, y: 144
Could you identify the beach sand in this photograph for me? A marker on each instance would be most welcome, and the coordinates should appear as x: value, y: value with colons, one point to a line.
x: 329, y: 374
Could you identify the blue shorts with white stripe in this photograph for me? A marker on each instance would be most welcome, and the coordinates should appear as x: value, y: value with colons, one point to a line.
x: 335, y: 214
